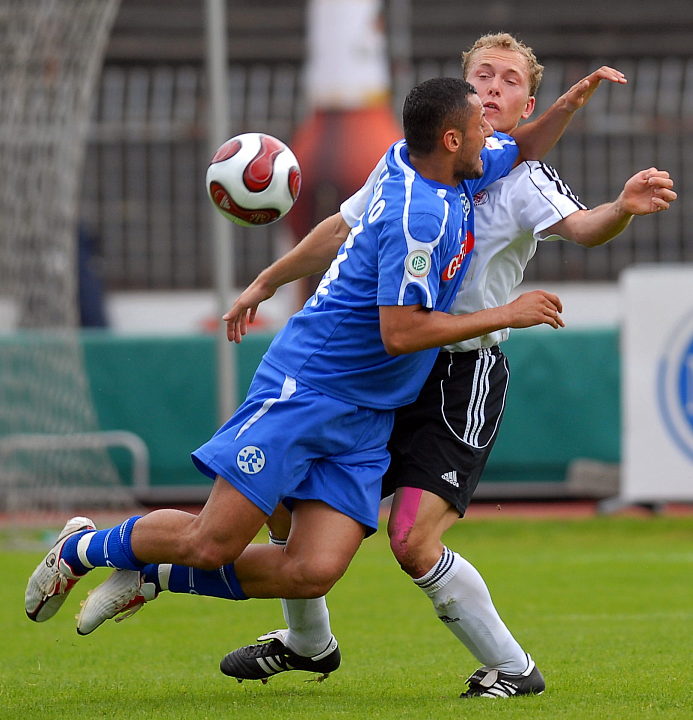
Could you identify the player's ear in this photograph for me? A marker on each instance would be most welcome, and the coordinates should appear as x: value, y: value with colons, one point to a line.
x: 529, y: 107
x: 452, y: 140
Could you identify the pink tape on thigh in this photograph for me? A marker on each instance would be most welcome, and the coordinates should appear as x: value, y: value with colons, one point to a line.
x: 408, y: 506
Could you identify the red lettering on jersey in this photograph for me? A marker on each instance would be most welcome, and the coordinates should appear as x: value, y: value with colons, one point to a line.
x: 456, y: 263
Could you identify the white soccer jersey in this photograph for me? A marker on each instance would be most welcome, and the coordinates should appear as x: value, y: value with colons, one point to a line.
x: 511, y: 216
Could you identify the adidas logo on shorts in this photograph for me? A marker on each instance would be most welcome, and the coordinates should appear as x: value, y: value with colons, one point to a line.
x: 451, y: 477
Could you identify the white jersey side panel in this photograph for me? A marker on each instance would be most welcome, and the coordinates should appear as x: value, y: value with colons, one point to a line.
x: 352, y: 208
x: 511, y: 215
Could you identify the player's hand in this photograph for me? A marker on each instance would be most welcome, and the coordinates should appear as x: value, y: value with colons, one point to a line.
x: 244, y: 309
x: 579, y: 95
x: 647, y: 192
x: 537, y: 307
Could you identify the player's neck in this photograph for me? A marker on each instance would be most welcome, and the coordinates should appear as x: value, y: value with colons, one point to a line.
x: 434, y: 167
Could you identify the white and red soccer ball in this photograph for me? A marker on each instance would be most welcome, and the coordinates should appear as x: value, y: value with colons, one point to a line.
x: 253, y: 179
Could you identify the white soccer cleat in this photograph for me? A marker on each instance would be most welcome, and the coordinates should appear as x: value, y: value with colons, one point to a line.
x: 123, y: 592
x: 53, y: 579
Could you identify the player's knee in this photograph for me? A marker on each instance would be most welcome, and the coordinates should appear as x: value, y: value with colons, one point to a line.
x: 212, y: 557
x: 415, y: 551
x: 315, y: 578
x: 320, y: 580
x: 404, y: 548
x: 205, y: 553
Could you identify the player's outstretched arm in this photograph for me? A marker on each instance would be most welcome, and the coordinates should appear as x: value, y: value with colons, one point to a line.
x: 312, y: 255
x: 648, y: 191
x: 409, y: 328
x: 536, y: 138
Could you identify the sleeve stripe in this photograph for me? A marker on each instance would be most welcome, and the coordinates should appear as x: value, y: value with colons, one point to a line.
x: 561, y: 186
x: 540, y: 190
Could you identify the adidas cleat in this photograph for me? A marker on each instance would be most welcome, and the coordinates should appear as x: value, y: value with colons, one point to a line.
x: 494, y: 683
x: 122, y: 595
x: 53, y: 578
x: 261, y: 662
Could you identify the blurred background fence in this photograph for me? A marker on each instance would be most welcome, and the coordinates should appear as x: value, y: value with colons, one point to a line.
x: 143, y: 197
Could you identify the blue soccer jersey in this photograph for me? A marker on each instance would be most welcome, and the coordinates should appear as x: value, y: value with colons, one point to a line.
x: 411, y: 246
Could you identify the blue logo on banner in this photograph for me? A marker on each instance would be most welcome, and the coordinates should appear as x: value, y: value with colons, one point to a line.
x: 675, y: 386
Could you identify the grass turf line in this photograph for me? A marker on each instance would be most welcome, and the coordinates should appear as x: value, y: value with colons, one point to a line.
x: 602, y: 604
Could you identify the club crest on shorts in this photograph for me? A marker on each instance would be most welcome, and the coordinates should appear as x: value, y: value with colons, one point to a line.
x: 250, y: 459
x: 418, y: 263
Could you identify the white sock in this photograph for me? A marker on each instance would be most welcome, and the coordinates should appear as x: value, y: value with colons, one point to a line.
x: 462, y: 601
x: 308, y: 621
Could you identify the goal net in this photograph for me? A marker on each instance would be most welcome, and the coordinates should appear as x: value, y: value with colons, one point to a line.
x: 52, y: 457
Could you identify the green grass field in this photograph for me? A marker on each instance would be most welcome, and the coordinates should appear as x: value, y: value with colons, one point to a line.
x: 605, y: 606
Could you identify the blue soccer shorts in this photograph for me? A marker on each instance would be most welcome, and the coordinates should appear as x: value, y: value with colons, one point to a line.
x: 287, y: 442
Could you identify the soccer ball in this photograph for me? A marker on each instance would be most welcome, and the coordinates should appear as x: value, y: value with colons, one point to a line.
x: 253, y: 179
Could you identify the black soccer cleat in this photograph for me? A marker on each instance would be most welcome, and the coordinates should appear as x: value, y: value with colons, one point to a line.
x: 494, y: 683
x: 260, y: 662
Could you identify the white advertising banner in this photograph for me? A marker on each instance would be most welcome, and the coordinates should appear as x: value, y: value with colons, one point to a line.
x: 657, y: 384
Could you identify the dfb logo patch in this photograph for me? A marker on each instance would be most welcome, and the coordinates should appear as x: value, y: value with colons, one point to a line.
x: 418, y: 263
x: 250, y: 459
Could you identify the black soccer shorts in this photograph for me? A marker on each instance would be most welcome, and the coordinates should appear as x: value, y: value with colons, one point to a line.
x: 442, y: 440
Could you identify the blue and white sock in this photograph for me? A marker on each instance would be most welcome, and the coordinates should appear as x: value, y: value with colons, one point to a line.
x: 221, y: 583
x: 102, y: 548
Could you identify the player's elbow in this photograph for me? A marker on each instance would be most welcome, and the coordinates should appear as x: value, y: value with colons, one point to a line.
x: 400, y: 328
x: 395, y: 350
x: 396, y: 343
x: 589, y: 240
x: 596, y: 240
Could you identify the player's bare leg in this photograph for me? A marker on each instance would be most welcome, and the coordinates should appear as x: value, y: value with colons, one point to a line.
x: 307, y: 634
x: 297, y: 570
x: 318, y: 551
x: 308, y: 643
x: 205, y: 545
x: 227, y: 523
x: 307, y: 619
x: 418, y: 520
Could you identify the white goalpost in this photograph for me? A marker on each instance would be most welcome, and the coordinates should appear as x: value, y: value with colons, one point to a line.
x: 52, y: 455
